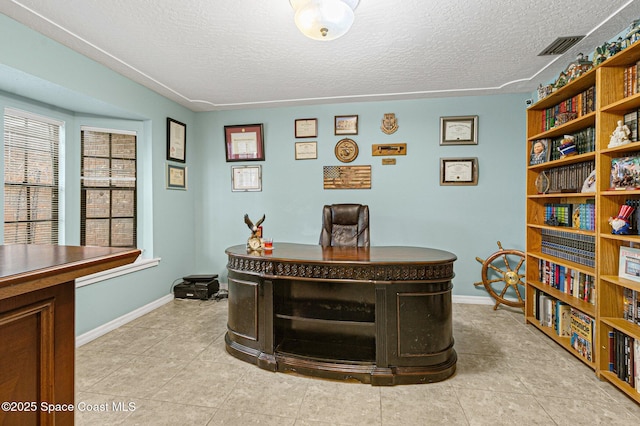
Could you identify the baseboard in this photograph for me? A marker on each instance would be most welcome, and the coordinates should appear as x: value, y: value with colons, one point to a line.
x: 112, y: 325
x: 473, y: 300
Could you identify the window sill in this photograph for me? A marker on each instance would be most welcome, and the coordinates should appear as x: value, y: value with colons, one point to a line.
x: 138, y: 265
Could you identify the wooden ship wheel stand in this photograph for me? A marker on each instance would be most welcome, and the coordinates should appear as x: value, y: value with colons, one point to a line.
x: 509, y: 277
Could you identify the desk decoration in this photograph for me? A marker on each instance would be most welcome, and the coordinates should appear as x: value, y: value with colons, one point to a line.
x: 246, y: 178
x: 176, y: 177
x: 346, y: 150
x: 306, y: 150
x: 629, y: 263
x: 625, y: 172
x: 459, y: 171
x: 244, y: 142
x: 254, y: 243
x: 346, y: 125
x: 389, y: 124
x: 389, y: 149
x: 461, y: 130
x: 176, y: 140
x: 347, y: 177
x: 306, y: 128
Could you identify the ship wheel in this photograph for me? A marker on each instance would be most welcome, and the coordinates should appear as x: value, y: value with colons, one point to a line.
x: 497, y: 270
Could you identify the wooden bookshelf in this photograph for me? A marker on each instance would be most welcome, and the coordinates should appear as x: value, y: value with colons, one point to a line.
x: 610, y: 105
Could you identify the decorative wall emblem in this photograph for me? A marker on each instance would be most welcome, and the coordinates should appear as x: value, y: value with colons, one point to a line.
x: 389, y: 124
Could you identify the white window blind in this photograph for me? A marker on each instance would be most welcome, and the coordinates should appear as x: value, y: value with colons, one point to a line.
x: 31, y: 166
x: 108, y: 202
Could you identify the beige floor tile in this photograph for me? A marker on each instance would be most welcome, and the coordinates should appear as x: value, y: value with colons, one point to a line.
x: 173, y: 365
x: 341, y: 403
x: 497, y: 408
x: 206, y: 384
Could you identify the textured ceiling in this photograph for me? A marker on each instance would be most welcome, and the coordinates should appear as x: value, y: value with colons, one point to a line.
x: 229, y: 54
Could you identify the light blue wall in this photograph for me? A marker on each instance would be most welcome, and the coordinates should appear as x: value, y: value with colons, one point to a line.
x: 407, y: 204
x: 189, y: 230
x: 36, y: 72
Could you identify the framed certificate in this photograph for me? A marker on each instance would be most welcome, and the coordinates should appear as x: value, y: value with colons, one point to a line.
x: 306, y: 128
x: 459, y: 171
x: 306, y: 150
x: 246, y: 178
x: 244, y: 142
x: 459, y: 130
x: 176, y: 140
x: 176, y: 177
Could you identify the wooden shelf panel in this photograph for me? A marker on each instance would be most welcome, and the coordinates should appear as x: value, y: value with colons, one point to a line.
x: 621, y: 324
x: 579, y: 304
x: 327, y: 310
x: 623, y: 386
x: 353, y: 350
x: 565, y: 342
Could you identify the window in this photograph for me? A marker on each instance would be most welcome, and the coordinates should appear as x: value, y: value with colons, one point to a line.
x: 31, y: 154
x: 108, y: 190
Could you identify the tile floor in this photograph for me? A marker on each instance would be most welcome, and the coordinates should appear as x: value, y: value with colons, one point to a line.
x: 170, y: 367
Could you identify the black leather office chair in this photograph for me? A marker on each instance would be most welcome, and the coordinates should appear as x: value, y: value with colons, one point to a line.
x: 345, y: 225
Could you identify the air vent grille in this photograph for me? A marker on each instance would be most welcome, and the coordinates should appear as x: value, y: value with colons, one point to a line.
x: 560, y: 45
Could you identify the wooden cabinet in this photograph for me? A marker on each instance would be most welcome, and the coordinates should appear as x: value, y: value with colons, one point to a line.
x: 606, y: 304
x: 37, y: 338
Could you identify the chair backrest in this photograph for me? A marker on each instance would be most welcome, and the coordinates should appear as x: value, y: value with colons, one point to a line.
x: 345, y: 225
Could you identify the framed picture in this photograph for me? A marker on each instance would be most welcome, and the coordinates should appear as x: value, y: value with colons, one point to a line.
x: 244, y: 142
x: 306, y: 150
x: 346, y: 125
x: 176, y: 177
x: 176, y: 140
x: 539, y: 152
x: 459, y: 171
x: 625, y: 173
x: 459, y: 130
x: 306, y: 128
x: 246, y: 178
x: 629, y: 263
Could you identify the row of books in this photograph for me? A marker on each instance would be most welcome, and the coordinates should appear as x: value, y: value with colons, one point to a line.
x: 579, y: 216
x: 577, y: 248
x: 631, y: 306
x: 576, y: 106
x: 584, y: 139
x: 634, y: 219
x: 566, y: 321
x: 624, y: 358
x: 569, y: 178
x: 569, y: 281
x: 631, y: 80
x: 631, y: 120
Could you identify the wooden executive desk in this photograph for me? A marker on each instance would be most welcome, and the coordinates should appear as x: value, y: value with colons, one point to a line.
x: 37, y: 327
x: 381, y: 315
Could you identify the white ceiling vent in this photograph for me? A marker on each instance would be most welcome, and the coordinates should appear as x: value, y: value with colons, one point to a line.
x: 560, y: 45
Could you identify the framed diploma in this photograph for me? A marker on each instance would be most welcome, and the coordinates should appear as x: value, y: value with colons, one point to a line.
x: 176, y: 177
x: 246, y: 178
x: 244, y: 142
x: 459, y: 171
x: 306, y: 150
x: 459, y: 130
x: 176, y: 140
x: 306, y: 128
x: 346, y: 125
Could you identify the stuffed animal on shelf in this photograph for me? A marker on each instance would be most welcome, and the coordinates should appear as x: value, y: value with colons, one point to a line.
x: 620, y: 224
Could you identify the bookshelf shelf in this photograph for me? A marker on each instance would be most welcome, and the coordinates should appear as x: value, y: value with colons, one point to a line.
x: 608, y: 317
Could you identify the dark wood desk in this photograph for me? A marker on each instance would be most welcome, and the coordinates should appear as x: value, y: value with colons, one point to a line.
x: 37, y: 327
x: 381, y: 315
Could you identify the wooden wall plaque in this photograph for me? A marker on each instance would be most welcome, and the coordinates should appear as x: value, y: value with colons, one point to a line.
x: 389, y: 149
x: 347, y: 177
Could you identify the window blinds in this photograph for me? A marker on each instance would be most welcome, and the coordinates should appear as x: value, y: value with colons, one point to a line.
x: 108, y: 202
x: 31, y: 166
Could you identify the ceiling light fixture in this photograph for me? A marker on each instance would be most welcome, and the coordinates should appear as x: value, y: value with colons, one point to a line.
x: 324, y: 19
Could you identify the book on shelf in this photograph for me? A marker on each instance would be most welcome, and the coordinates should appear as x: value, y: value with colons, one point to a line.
x: 623, y: 357
x: 569, y: 178
x: 578, y: 248
x: 582, y: 333
x: 631, y: 121
x: 567, y: 280
x: 631, y: 309
x: 576, y: 106
x: 563, y: 319
x: 636, y: 357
